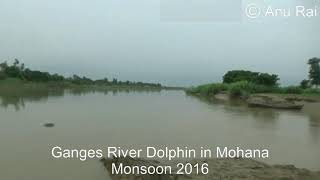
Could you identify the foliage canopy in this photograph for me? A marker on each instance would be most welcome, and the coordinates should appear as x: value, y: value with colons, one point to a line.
x: 314, y: 71
x: 252, y: 77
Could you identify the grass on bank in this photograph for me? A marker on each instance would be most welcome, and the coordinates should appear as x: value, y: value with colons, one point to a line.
x: 244, y: 89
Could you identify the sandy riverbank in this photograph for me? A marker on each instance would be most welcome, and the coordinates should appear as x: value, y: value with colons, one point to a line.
x: 308, y: 104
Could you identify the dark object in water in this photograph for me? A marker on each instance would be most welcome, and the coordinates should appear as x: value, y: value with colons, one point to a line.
x: 48, y: 125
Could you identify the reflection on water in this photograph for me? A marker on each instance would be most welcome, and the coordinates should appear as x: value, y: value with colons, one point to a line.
x: 19, y: 100
x: 240, y: 108
x: 314, y: 120
x: 86, y: 118
x: 315, y: 128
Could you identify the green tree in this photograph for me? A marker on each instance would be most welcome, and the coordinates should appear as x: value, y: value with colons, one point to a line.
x: 253, y: 77
x: 314, y: 71
x: 114, y: 81
x: 16, y: 62
x: 3, y: 66
x: 13, y: 70
x: 22, y: 67
x: 304, y: 84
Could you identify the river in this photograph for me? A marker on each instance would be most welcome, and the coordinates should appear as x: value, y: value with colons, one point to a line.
x: 133, y: 119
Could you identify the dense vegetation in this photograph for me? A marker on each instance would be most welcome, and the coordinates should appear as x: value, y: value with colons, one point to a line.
x: 252, y: 77
x: 245, y: 88
x: 19, y: 71
x: 314, y: 74
x: 243, y: 83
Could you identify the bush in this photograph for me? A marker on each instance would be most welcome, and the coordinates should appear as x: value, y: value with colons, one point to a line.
x: 236, y: 91
x: 216, y: 88
x: 242, y: 88
x: 311, y: 91
x: 291, y: 90
x: 304, y: 84
x: 2, y: 75
x: 208, y: 89
x: 211, y: 89
x: 245, y: 88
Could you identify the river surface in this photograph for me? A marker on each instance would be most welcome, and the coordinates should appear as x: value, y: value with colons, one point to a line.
x: 89, y: 120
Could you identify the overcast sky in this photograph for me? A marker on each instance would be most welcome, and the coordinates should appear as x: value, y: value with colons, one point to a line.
x: 177, y: 42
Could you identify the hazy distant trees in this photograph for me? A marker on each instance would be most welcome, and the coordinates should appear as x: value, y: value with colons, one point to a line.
x: 253, y: 77
x: 15, y: 70
x: 19, y: 71
x: 2, y: 75
x: 3, y: 66
x: 114, y: 81
x: 81, y: 80
x: 314, y: 71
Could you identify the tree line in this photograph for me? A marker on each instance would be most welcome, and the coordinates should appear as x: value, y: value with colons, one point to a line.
x: 314, y: 74
x: 272, y: 79
x: 18, y: 70
x: 252, y: 77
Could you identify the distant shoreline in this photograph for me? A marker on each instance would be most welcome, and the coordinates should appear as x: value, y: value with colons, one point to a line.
x: 18, y: 73
x: 17, y: 84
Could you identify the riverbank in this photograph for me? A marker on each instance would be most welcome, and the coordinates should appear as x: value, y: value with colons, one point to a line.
x: 244, y: 89
x: 277, y: 101
x: 238, y: 168
x: 258, y: 95
x: 14, y: 85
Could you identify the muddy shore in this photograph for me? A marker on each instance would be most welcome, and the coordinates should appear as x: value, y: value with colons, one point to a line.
x: 306, y: 103
x: 289, y: 97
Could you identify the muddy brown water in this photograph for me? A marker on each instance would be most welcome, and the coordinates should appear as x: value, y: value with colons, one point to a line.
x: 87, y: 120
